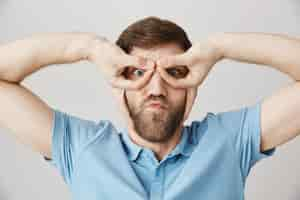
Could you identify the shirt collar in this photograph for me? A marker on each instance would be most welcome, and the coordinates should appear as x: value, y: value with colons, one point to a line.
x: 132, y: 149
x: 184, y: 147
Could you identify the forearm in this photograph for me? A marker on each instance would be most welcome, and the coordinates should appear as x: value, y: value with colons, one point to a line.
x: 279, y: 51
x: 22, y: 57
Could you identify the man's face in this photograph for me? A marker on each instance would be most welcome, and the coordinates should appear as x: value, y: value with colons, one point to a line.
x: 155, y: 123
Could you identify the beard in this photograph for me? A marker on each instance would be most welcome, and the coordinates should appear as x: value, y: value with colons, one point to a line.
x: 157, y: 126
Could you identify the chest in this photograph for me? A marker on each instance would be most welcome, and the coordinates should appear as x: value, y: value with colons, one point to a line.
x: 107, y: 173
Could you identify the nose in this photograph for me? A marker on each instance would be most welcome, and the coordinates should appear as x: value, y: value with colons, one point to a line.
x: 156, y: 85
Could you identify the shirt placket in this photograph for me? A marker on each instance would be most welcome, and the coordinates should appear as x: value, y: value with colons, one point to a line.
x: 156, y: 191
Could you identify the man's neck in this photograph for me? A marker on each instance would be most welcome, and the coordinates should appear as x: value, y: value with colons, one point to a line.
x: 160, y: 149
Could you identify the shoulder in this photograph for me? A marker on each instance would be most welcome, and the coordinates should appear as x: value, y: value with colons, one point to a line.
x: 79, y: 130
x: 229, y: 122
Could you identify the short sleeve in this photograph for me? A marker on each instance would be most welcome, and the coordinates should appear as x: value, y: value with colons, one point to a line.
x: 245, y: 133
x: 69, y: 135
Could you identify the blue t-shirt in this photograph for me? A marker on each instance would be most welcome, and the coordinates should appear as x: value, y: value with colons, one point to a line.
x: 211, y: 161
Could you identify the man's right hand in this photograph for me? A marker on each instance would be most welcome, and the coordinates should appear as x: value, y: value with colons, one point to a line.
x: 112, y: 60
x: 26, y: 115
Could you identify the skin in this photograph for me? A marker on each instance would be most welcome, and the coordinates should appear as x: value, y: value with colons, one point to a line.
x: 280, y: 112
x: 156, y: 129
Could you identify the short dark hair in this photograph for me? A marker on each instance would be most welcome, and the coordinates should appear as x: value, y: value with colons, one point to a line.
x: 150, y: 32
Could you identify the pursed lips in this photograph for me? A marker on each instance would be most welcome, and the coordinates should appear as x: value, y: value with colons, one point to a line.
x: 156, y: 104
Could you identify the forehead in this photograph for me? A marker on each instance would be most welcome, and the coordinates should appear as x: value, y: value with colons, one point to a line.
x: 157, y: 52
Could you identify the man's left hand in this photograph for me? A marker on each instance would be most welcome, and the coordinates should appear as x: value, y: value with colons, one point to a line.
x: 199, y: 59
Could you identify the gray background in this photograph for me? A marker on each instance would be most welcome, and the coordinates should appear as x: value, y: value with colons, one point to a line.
x: 80, y: 89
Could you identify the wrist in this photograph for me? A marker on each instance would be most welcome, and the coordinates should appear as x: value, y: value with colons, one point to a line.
x: 94, y: 45
x: 215, y: 42
x: 79, y: 47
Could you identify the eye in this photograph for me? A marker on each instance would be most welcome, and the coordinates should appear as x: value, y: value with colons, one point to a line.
x: 178, y: 71
x: 133, y: 73
x: 138, y: 72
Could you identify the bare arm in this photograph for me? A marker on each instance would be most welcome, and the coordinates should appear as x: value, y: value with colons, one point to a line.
x: 22, y: 57
x: 280, y: 115
x: 24, y: 113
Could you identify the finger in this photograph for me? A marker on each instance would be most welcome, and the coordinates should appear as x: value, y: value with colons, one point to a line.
x: 143, y: 81
x: 183, y: 83
x: 192, y: 80
x: 187, y: 82
x: 120, y: 82
x: 169, y: 79
x: 171, y: 61
x: 137, y: 84
x: 150, y: 64
x: 176, y: 83
x: 135, y: 61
